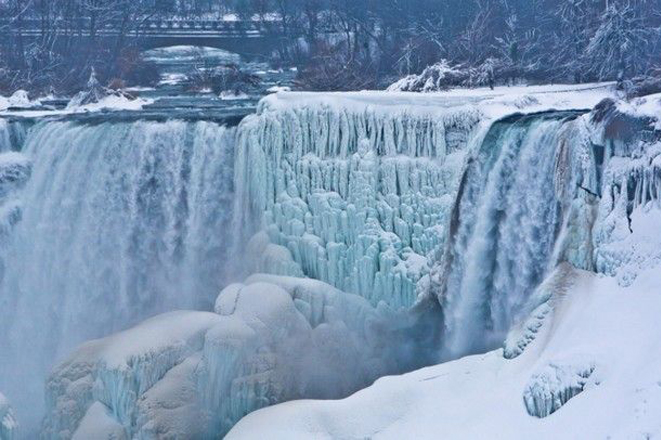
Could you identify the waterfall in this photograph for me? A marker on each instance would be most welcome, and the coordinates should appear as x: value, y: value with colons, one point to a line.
x: 119, y: 222
x: 505, y: 223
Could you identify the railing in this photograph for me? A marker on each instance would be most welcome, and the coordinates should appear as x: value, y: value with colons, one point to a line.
x: 153, y: 28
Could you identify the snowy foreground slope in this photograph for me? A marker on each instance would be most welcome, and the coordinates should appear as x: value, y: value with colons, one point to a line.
x: 393, y: 231
x: 601, y: 341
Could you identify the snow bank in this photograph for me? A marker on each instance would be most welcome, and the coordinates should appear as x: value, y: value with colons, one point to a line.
x: 485, y: 396
x: 8, y: 423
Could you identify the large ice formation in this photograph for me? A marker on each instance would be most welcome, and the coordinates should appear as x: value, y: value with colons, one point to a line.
x: 195, y: 374
x: 358, y: 187
x: 564, y: 361
x: 357, y: 196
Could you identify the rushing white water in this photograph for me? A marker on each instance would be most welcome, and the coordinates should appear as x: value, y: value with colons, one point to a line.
x: 506, y: 221
x: 120, y: 221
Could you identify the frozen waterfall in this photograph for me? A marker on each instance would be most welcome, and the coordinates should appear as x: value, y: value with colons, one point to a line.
x: 507, y: 217
x: 358, y: 197
x: 119, y: 222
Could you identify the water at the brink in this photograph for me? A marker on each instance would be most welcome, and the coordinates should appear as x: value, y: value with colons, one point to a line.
x: 120, y: 221
x: 507, y: 220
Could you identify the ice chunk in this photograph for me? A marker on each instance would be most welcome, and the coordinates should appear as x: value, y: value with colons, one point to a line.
x: 8, y: 422
x: 552, y: 387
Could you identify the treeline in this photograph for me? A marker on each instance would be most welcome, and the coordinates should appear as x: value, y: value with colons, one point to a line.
x: 54, y: 44
x: 354, y: 44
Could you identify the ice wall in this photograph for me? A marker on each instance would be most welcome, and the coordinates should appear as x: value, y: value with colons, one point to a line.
x: 359, y: 196
x: 630, y: 168
x: 119, y: 221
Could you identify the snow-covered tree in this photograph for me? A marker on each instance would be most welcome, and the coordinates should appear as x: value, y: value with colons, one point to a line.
x: 620, y: 46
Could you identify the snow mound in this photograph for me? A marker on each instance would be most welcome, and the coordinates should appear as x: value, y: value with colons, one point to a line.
x: 97, y: 98
x: 20, y: 99
x: 554, y: 385
x: 283, y: 338
x: 116, y: 371
x: 195, y: 374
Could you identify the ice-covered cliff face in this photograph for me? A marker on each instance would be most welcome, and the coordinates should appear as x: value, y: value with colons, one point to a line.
x: 359, y: 197
x: 118, y: 222
x: 581, y: 360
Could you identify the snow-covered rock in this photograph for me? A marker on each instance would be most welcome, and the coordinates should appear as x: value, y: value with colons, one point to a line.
x: 19, y: 99
x: 117, y: 371
x: 195, y: 374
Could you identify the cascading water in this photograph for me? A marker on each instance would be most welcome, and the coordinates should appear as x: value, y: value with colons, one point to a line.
x: 505, y: 224
x: 120, y: 221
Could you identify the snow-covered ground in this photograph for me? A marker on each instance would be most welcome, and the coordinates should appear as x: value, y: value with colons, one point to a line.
x: 601, y: 344
x: 492, y: 103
